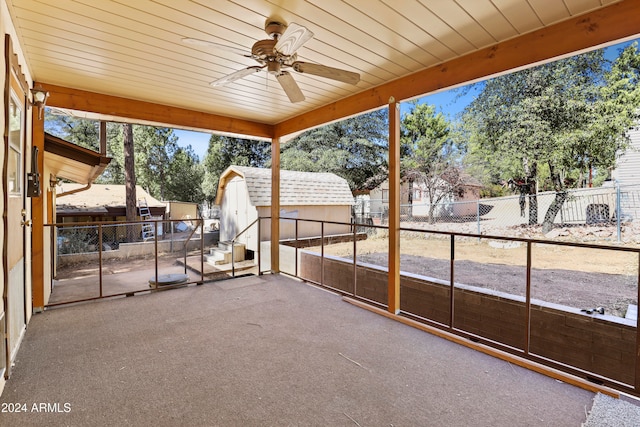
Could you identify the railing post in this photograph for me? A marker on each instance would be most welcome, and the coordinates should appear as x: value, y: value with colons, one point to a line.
x: 155, y: 244
x: 478, y: 216
x: 452, y: 258
x: 259, y: 247
x: 527, y: 320
x: 322, y: 253
x: 618, y: 211
x: 100, y: 257
x: 185, y: 249
x: 201, y: 252
x: 233, y: 258
x: 355, y: 258
x: 295, y: 260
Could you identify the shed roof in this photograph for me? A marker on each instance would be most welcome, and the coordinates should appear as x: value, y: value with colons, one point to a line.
x: 296, y: 188
x: 98, y: 199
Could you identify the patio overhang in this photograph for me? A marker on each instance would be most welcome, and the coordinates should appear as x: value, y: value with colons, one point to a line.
x: 601, y: 27
x: 263, y: 117
x: 72, y: 162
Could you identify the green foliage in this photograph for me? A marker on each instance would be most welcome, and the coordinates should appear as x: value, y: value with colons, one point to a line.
x: 184, y: 177
x: 154, y: 151
x: 430, y: 152
x: 225, y: 151
x: 554, y: 123
x: 165, y: 170
x: 565, y: 117
x: 82, y: 132
x: 355, y: 149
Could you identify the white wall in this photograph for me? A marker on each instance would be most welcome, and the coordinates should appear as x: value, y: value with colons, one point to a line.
x: 288, y: 214
x: 17, y: 305
x: 236, y: 213
x: 627, y: 171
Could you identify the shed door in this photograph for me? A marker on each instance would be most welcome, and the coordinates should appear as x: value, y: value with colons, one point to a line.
x: 242, y: 218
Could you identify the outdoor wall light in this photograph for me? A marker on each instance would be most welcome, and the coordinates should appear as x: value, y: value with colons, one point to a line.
x: 39, y: 99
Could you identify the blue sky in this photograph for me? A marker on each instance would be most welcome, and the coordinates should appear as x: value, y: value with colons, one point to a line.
x: 447, y: 102
x: 199, y: 141
x: 444, y: 101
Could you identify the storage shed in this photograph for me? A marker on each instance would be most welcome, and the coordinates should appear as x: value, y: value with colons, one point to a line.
x: 244, y: 194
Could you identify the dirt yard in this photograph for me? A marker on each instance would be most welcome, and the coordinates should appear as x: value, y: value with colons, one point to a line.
x: 577, y: 277
x: 114, y: 266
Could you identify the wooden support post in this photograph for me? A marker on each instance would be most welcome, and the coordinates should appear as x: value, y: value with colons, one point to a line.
x: 38, y: 219
x: 275, y: 205
x: 637, y: 381
x: 103, y: 137
x: 393, y: 293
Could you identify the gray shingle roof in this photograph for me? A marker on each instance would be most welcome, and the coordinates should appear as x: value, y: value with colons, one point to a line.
x: 296, y: 188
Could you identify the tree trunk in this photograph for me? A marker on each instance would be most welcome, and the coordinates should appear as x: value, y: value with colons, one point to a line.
x: 533, y: 204
x: 553, y: 210
x: 432, y: 217
x: 410, y: 198
x: 530, y: 181
x: 558, y: 201
x: 130, y: 182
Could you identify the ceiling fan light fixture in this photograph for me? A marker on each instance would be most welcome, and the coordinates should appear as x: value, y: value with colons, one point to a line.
x: 273, y: 67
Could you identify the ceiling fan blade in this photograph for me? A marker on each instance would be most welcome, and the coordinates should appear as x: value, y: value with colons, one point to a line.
x: 204, y: 43
x: 328, y: 72
x: 294, y: 36
x: 290, y: 87
x: 236, y: 76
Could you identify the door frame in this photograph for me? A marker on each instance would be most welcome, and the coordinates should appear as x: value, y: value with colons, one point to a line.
x: 15, y: 82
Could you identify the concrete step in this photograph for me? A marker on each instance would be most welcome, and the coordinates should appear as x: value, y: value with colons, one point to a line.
x: 218, y: 256
x: 225, y: 247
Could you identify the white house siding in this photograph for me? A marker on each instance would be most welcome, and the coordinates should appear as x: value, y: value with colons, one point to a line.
x: 627, y: 171
x: 289, y: 214
x: 627, y: 175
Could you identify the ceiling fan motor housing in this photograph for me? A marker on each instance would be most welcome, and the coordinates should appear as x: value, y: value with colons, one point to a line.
x: 263, y: 49
x: 274, y: 29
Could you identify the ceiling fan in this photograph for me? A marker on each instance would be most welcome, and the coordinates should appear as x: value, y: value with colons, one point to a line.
x: 278, y: 54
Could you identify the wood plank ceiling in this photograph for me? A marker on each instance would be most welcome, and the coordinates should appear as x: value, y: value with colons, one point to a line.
x: 134, y: 48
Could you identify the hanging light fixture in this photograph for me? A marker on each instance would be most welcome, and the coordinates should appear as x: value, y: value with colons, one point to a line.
x: 39, y: 96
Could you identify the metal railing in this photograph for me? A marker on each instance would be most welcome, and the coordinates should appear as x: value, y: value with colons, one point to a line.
x: 332, y: 260
x: 610, y: 208
x: 82, y: 245
x: 235, y: 240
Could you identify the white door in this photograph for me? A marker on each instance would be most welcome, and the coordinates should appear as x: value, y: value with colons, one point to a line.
x: 14, y: 293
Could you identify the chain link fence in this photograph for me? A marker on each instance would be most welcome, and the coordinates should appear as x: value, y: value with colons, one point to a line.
x: 607, y: 214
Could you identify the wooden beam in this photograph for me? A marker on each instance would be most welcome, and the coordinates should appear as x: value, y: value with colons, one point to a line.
x: 610, y: 24
x: 38, y: 218
x: 275, y: 205
x: 75, y: 99
x: 393, y: 291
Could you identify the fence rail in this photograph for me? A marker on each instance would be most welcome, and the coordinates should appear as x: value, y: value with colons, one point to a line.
x: 614, y: 209
x: 89, y: 245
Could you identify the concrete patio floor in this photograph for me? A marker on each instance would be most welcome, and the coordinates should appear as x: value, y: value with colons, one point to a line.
x: 129, y: 276
x: 263, y: 351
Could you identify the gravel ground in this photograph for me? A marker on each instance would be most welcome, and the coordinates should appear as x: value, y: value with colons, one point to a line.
x: 610, y: 412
